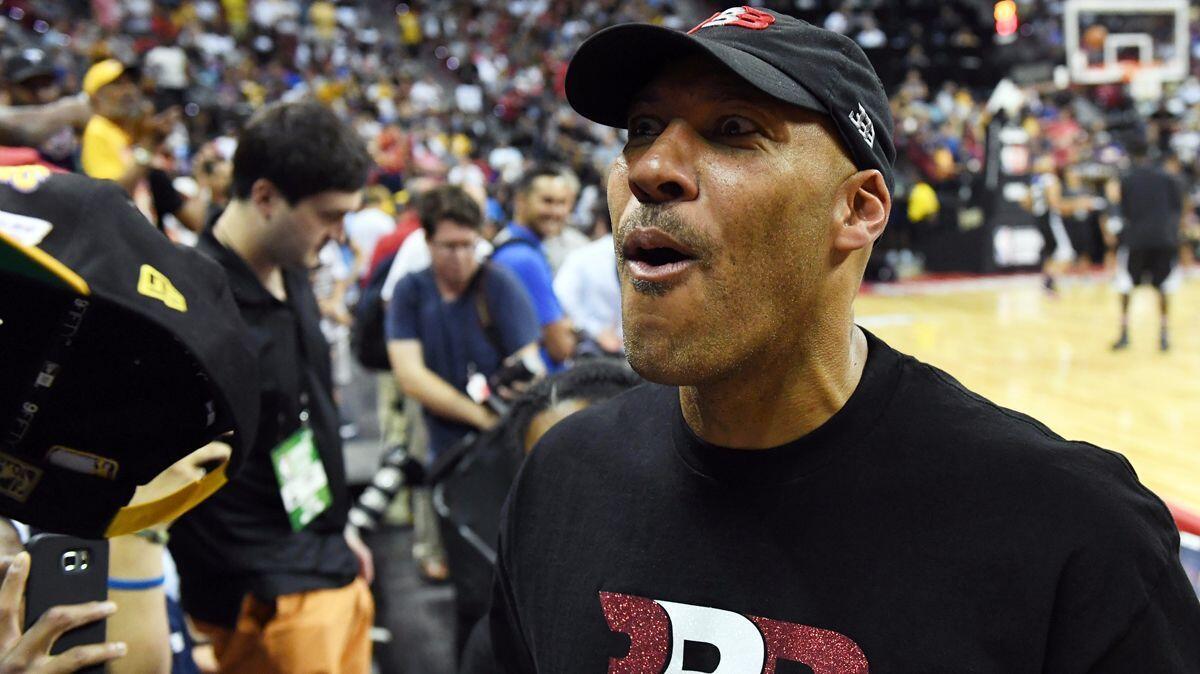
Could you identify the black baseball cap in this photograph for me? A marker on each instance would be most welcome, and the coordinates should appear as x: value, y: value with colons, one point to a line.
x: 27, y: 65
x: 120, y: 353
x: 784, y: 57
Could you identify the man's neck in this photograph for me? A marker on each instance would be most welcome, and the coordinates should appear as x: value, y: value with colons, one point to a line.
x: 529, y: 228
x: 766, y: 405
x: 452, y: 291
x: 235, y: 230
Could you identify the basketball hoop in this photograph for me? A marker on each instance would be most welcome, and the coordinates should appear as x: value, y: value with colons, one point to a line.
x: 1111, y: 41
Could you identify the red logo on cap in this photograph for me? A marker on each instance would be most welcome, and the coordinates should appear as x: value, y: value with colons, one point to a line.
x: 746, y: 17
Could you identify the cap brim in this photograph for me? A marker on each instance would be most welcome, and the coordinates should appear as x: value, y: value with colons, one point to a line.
x: 613, y: 65
x: 38, y: 266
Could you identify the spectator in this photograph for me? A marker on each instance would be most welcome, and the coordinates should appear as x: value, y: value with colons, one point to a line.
x: 33, y: 81
x: 838, y: 20
x: 114, y: 144
x: 869, y: 35
x: 569, y: 238
x: 120, y: 142
x: 29, y: 650
x: 450, y: 328
x: 590, y: 292
x: 541, y: 205
x: 167, y: 67
x: 283, y: 587
x: 437, y: 336
x: 375, y: 220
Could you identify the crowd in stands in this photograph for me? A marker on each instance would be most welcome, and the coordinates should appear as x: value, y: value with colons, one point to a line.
x: 479, y: 169
x: 471, y: 92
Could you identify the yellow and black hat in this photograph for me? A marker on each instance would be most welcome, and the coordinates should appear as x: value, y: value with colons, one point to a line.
x: 120, y: 353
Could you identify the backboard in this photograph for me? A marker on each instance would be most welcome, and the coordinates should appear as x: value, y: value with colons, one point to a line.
x: 1123, y: 40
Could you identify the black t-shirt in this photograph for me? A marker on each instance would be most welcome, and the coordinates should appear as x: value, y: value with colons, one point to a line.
x: 1151, y: 204
x: 240, y: 539
x: 922, y: 528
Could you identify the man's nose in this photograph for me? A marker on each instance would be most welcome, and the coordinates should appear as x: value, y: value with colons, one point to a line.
x: 662, y: 173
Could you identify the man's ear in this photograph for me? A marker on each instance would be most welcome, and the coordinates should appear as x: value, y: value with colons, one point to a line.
x: 863, y: 205
x: 265, y: 197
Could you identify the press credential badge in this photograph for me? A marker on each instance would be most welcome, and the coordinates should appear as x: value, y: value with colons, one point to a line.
x: 302, y: 480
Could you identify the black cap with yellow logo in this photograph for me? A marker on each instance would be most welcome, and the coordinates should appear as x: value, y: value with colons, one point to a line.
x: 120, y: 353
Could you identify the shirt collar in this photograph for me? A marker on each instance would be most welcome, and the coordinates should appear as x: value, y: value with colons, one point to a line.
x: 523, y: 232
x: 246, y: 287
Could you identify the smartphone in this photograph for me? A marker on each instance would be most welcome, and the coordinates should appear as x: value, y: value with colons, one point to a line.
x: 67, y: 570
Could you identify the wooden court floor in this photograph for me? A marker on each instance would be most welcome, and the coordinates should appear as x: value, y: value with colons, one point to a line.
x: 1049, y: 357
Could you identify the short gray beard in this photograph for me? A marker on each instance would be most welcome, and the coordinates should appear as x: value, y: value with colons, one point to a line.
x: 666, y: 219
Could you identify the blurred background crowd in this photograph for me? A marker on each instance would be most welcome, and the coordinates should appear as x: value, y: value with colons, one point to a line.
x: 471, y: 91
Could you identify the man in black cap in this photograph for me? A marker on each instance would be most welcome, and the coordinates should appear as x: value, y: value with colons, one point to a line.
x: 268, y: 567
x: 792, y: 492
x: 40, y: 116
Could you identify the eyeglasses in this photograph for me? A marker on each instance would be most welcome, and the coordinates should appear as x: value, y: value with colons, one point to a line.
x: 452, y: 247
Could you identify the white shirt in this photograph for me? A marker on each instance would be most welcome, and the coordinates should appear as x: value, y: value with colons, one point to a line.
x: 366, y: 227
x: 872, y: 38
x: 168, y: 65
x: 469, y: 98
x: 837, y: 22
x: 425, y: 96
x: 466, y: 174
x: 588, y: 288
x: 558, y: 248
x: 508, y: 162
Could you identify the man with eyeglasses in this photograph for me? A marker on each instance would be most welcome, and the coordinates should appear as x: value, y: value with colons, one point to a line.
x: 453, y: 325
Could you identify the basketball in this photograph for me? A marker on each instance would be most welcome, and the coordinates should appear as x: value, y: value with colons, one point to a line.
x: 1094, y: 37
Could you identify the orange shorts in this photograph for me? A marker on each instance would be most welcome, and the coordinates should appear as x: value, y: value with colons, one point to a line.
x: 323, y: 631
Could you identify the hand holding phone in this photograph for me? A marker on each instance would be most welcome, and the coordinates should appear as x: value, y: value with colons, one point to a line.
x: 30, y: 650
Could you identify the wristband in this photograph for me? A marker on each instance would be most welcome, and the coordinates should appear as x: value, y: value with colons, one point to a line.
x: 136, y: 584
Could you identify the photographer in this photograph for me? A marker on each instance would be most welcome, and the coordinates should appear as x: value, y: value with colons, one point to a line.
x: 450, y: 328
x: 456, y: 323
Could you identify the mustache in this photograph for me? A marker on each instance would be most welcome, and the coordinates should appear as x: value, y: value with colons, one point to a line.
x: 667, y: 219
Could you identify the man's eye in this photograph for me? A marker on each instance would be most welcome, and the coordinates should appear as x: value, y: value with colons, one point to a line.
x: 735, y: 126
x: 644, y: 126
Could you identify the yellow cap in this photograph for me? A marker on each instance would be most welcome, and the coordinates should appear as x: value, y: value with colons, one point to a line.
x: 102, y: 73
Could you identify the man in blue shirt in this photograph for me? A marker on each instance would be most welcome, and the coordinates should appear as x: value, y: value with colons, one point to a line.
x: 542, y: 204
x: 456, y: 321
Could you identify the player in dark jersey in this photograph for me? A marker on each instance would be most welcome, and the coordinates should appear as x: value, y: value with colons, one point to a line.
x: 1151, y: 207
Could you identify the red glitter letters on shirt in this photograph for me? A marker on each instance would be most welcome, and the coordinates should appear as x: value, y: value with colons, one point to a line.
x: 748, y: 644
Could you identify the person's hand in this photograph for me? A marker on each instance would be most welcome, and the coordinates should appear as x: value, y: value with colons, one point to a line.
x: 514, y: 390
x: 366, y: 561
x: 30, y: 652
x: 183, y: 472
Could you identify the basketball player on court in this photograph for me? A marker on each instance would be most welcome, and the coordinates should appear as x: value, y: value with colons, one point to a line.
x: 1045, y: 203
x: 792, y: 490
x: 1152, y: 204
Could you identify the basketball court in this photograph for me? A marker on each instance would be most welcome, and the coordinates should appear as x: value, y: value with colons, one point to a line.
x: 1049, y: 357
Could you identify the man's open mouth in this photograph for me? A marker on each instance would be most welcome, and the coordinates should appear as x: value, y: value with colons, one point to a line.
x: 652, y: 255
